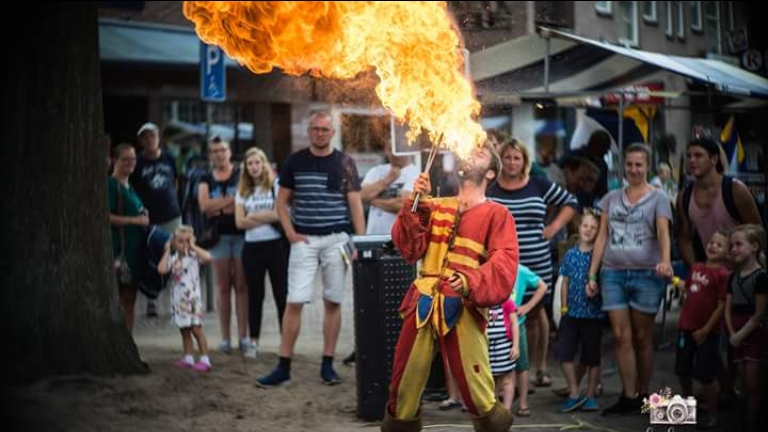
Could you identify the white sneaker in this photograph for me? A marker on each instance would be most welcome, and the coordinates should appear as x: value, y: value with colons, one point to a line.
x: 249, y: 349
x: 225, y: 347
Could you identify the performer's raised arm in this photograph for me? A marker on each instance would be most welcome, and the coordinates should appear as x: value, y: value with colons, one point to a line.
x: 410, y: 232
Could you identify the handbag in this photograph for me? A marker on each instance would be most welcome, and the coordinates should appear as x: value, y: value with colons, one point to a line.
x: 210, y: 236
x: 122, y: 270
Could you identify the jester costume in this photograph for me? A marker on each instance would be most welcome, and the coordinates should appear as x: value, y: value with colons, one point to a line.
x: 480, y: 245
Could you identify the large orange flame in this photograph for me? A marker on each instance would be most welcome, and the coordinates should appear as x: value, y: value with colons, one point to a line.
x: 413, y: 48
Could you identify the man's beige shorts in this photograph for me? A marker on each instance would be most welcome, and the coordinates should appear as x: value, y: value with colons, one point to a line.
x: 322, y: 252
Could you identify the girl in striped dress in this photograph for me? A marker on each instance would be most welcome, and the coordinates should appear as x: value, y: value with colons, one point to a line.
x: 503, y: 348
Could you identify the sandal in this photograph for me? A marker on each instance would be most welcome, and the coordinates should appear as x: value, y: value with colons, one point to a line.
x: 449, y: 404
x: 523, y: 412
x: 543, y: 379
x: 561, y: 392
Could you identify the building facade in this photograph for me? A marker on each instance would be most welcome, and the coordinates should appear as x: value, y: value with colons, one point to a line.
x: 508, y: 50
x: 150, y: 71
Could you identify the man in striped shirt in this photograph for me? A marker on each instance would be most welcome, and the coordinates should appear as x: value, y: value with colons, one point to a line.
x: 323, y: 188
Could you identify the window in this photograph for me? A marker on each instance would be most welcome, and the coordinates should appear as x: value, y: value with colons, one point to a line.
x: 185, y: 110
x: 649, y: 11
x: 184, y: 123
x: 680, y: 19
x: 696, y: 16
x: 603, y: 7
x: 627, y: 17
x: 712, y: 23
x: 670, y: 21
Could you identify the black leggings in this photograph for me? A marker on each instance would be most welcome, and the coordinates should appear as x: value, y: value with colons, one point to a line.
x: 258, y: 258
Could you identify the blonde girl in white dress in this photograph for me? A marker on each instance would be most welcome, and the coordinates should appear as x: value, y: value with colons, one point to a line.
x: 182, y: 258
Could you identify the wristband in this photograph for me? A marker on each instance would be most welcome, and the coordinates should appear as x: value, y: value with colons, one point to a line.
x: 592, y: 278
x: 564, y: 310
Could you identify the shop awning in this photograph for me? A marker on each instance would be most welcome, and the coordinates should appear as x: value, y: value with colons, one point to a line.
x: 131, y: 42
x: 583, y: 65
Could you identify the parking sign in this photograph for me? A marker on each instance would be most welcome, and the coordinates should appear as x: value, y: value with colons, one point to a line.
x: 213, y: 76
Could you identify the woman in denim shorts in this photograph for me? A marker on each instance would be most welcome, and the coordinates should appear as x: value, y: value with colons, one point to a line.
x: 633, y: 248
x: 216, y: 194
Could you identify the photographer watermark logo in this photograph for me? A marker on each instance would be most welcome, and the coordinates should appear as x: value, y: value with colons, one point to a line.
x: 667, y: 409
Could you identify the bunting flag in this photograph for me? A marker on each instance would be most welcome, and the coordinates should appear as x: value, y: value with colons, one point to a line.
x: 734, y: 150
x: 636, y: 126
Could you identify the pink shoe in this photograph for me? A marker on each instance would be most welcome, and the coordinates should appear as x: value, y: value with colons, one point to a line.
x: 183, y: 364
x: 202, y: 367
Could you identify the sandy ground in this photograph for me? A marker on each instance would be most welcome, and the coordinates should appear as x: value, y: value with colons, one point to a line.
x: 174, y: 400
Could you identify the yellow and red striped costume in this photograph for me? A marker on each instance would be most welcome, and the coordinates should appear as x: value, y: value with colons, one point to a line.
x: 484, y: 252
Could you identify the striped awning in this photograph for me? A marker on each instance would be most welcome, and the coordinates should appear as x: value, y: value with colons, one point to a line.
x: 582, y: 65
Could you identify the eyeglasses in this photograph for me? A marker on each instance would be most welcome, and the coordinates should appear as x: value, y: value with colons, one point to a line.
x: 221, y: 150
x: 320, y: 129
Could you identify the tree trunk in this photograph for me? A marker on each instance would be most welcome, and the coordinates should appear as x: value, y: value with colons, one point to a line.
x: 59, y: 309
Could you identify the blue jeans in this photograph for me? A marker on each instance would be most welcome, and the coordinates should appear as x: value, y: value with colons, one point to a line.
x: 640, y: 290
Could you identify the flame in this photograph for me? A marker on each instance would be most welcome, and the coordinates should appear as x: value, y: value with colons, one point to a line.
x: 413, y: 47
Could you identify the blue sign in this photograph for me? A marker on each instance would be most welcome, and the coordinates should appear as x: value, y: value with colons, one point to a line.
x: 213, y: 73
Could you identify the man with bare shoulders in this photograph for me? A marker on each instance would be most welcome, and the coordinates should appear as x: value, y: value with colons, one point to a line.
x: 713, y: 201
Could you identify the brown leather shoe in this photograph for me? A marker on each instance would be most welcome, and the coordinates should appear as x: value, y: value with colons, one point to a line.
x: 498, y: 419
x: 391, y: 424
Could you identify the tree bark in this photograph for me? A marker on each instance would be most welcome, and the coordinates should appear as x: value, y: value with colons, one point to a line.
x: 59, y: 309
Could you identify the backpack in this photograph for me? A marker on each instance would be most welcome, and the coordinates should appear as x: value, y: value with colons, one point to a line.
x: 149, y: 281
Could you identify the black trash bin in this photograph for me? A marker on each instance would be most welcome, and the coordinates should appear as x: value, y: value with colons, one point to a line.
x: 436, y: 390
x: 381, y: 279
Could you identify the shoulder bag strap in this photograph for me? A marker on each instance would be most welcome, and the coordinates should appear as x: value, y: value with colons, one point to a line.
x: 451, y: 239
x: 121, y: 212
x: 740, y: 284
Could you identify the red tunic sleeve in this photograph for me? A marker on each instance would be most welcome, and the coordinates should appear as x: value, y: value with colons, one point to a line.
x: 491, y: 284
x: 410, y: 233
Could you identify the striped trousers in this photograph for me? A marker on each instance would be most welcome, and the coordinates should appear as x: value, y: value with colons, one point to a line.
x: 464, y: 349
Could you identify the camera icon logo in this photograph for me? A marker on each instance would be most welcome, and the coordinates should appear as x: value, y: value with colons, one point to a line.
x: 671, y: 410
